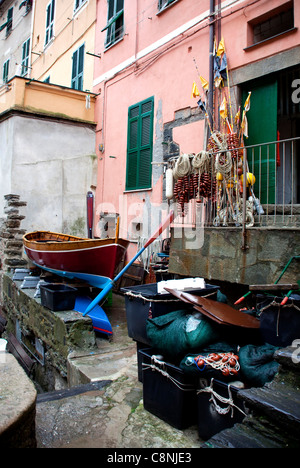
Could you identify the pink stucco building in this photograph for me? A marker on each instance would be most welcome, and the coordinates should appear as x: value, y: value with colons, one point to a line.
x: 150, y: 54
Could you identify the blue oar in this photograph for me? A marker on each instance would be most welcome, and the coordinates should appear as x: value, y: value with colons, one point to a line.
x: 111, y: 283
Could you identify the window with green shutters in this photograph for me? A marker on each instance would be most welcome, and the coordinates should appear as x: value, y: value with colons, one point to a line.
x: 77, y: 69
x: 164, y: 3
x: 115, y: 22
x: 140, y: 145
x: 5, y: 71
x: 49, y: 21
x: 25, y: 57
x: 9, y: 21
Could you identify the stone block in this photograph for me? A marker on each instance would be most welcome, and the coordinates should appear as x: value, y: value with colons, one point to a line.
x: 17, y: 405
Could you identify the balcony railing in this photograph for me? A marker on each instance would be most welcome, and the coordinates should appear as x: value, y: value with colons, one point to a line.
x: 251, y: 186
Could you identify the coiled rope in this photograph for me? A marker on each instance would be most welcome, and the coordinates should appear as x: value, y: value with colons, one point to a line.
x: 226, y: 401
x: 223, y: 163
x: 201, y: 162
x: 182, y: 167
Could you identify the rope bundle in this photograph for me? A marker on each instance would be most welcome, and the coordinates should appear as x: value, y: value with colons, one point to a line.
x: 226, y: 401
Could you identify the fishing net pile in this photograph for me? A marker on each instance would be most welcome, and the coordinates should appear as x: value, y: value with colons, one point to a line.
x: 201, y: 348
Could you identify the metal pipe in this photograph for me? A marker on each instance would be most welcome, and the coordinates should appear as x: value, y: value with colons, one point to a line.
x: 211, y: 62
x: 244, y: 242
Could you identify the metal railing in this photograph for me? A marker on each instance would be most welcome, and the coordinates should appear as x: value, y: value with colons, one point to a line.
x: 276, y: 166
x: 257, y: 185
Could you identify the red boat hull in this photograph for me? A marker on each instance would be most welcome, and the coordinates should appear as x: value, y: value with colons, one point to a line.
x: 90, y: 257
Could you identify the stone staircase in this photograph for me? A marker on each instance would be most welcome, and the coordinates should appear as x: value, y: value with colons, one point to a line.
x: 274, y: 411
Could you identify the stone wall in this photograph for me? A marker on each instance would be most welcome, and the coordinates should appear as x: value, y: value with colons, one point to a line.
x: 11, y: 244
x: 220, y: 255
x: 59, y: 333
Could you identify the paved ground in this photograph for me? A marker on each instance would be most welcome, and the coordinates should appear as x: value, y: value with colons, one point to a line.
x: 105, y: 409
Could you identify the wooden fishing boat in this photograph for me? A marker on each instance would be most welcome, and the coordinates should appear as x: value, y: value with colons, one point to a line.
x: 66, y: 253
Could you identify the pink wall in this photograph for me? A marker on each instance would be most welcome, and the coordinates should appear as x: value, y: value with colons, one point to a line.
x: 174, y: 37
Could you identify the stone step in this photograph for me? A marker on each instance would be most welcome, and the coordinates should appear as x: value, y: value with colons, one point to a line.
x: 278, y: 402
x: 274, y: 411
x: 253, y: 434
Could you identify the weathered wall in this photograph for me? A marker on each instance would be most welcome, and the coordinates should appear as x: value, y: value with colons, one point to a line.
x: 60, y: 333
x: 221, y: 257
x: 51, y: 164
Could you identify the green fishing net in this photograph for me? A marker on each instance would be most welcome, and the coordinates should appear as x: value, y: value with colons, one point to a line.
x: 178, y: 332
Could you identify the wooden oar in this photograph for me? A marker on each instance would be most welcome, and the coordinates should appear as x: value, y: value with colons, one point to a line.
x: 111, y: 283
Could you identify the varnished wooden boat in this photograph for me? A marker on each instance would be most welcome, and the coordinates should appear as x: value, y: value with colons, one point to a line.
x: 67, y: 253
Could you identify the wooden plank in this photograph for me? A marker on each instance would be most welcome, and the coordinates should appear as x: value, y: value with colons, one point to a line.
x: 273, y: 287
x: 15, y: 348
x: 134, y: 276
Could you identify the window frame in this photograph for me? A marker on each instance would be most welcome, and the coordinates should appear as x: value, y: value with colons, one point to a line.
x: 162, y: 7
x: 5, y: 71
x: 25, y: 57
x: 140, y: 148
x: 110, y: 28
x: 79, y: 74
x: 9, y: 24
x: 78, y: 4
x: 49, y: 28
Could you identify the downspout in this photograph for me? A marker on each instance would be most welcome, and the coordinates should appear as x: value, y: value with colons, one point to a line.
x: 31, y: 36
x: 211, y: 62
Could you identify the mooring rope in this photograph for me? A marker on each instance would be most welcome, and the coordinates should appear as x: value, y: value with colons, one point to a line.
x: 155, y: 366
x: 226, y: 401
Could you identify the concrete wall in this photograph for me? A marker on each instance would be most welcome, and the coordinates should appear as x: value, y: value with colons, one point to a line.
x: 218, y: 254
x: 51, y: 165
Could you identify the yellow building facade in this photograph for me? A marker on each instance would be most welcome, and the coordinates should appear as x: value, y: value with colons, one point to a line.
x: 63, y: 42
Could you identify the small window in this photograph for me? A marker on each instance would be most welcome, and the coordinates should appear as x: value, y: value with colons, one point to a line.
x: 28, y: 6
x: 162, y: 4
x: 9, y: 22
x: 115, y: 22
x: 49, y: 21
x: 25, y: 57
x: 77, y: 69
x: 78, y: 4
x: 140, y: 145
x: 273, y: 26
x: 5, y: 71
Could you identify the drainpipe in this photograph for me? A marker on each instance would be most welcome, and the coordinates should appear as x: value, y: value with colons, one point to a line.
x: 244, y: 231
x: 211, y: 61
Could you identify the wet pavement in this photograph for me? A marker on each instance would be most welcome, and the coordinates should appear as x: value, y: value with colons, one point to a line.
x: 104, y: 408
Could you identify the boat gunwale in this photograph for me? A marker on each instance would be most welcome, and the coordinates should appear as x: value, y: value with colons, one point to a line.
x: 52, y: 245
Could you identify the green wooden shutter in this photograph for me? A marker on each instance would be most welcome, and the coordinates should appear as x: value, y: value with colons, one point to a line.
x: 77, y: 69
x: 262, y: 128
x: 25, y: 57
x: 140, y: 145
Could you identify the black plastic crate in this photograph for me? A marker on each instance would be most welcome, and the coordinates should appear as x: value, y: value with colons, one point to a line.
x: 218, y: 406
x: 167, y: 392
x: 58, y: 296
x: 279, y: 325
x: 143, y: 302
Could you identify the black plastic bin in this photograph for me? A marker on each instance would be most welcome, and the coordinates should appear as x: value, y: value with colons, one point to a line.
x: 58, y: 296
x: 167, y: 392
x: 143, y: 302
x: 211, y: 421
x: 279, y: 325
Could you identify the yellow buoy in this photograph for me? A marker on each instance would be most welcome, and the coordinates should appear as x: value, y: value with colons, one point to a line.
x: 250, y: 179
